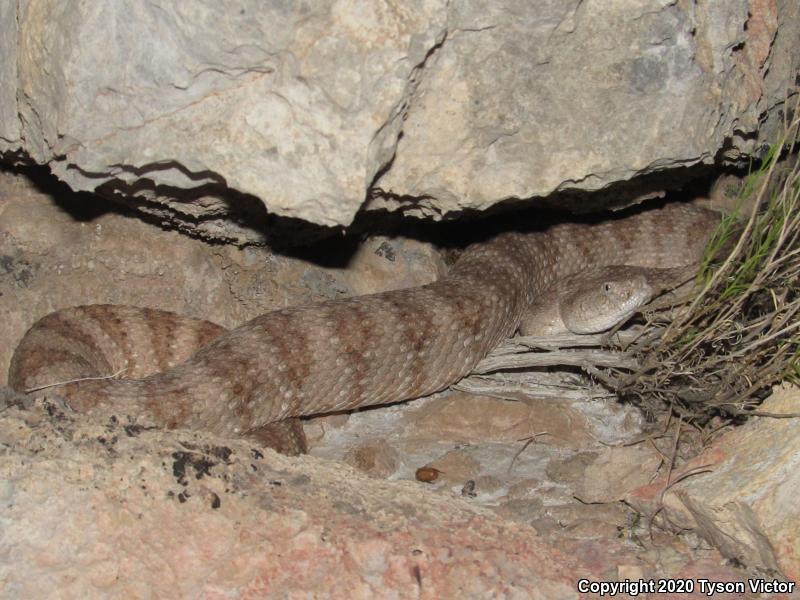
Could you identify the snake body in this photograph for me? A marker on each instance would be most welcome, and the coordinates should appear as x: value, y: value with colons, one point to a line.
x: 340, y: 354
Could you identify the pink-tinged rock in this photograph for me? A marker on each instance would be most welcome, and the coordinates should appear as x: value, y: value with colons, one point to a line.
x: 616, y: 470
x: 742, y: 495
x: 463, y: 417
x: 106, y: 509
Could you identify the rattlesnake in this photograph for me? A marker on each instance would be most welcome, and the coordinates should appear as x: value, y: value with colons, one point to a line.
x: 343, y: 354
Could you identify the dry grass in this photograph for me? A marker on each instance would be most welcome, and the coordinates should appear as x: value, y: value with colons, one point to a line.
x: 720, y: 354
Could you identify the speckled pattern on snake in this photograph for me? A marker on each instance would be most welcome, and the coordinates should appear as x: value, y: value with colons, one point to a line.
x: 340, y: 354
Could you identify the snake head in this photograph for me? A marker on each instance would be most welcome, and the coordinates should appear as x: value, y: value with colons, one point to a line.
x: 592, y: 302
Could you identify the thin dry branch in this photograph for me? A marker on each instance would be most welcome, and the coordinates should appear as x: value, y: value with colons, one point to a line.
x: 555, y: 358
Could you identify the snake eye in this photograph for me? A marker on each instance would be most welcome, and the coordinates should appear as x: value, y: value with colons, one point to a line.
x: 606, y: 287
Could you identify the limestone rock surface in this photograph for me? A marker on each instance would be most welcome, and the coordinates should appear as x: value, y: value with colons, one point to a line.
x: 204, y: 115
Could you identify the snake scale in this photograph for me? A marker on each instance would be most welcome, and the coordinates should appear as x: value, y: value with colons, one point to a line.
x: 339, y: 354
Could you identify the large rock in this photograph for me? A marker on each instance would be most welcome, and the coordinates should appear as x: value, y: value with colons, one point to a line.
x: 526, y: 99
x: 9, y: 119
x: 741, y: 494
x: 200, y: 111
x: 142, y: 513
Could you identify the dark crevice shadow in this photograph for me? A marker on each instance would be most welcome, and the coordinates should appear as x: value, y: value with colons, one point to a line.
x: 81, y: 206
x: 335, y: 246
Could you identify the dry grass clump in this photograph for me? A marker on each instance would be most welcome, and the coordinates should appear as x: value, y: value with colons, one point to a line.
x: 720, y: 354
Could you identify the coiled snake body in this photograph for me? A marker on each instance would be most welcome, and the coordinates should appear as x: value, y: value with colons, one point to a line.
x: 342, y: 354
